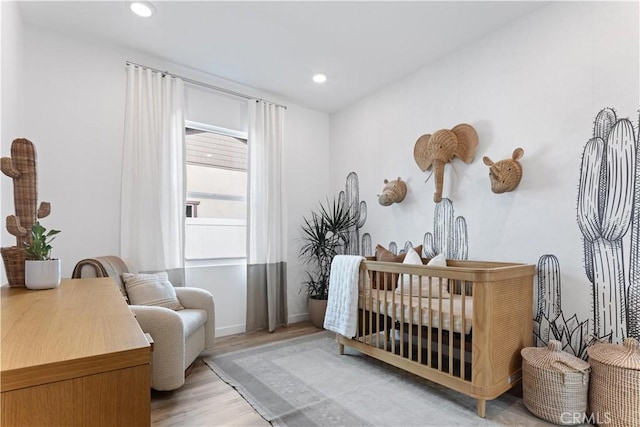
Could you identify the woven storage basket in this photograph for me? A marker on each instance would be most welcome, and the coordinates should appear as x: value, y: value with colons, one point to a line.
x: 14, y: 258
x: 555, y: 384
x: 615, y: 383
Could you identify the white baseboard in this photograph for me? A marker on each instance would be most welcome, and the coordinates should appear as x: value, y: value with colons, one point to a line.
x: 295, y: 318
x: 241, y: 328
x: 231, y: 330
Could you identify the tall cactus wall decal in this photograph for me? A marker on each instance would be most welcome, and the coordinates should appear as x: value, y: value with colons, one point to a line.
x: 21, y: 168
x: 550, y: 322
x: 449, y: 234
x: 633, y: 291
x: 605, y: 206
x: 351, y: 198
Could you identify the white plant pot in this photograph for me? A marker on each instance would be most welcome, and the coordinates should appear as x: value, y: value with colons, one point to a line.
x: 42, y: 274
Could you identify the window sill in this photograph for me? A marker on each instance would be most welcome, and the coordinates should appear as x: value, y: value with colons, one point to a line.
x: 214, y: 262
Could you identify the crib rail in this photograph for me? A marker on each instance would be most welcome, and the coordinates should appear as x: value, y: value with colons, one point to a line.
x: 461, y: 326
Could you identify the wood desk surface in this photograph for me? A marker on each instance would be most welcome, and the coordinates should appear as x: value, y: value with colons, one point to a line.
x: 82, y: 327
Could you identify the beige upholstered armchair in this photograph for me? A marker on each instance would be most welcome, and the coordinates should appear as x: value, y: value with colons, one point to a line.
x: 179, y: 335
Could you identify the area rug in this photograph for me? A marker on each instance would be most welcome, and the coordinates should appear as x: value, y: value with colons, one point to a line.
x: 305, y: 382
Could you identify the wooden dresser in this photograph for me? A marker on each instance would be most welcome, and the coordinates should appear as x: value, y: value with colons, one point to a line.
x: 73, y: 355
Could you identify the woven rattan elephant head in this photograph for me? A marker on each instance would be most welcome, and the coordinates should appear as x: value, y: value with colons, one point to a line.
x: 506, y: 174
x: 441, y: 147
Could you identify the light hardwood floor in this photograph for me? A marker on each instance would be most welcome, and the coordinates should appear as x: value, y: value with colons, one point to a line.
x: 205, y: 400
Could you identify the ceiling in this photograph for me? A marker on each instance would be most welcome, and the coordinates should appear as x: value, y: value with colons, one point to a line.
x: 277, y: 46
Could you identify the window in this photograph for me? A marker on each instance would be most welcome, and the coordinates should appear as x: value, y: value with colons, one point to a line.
x: 192, y: 208
x: 216, y: 205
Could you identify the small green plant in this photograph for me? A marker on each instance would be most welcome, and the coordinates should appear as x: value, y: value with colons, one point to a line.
x: 40, y: 247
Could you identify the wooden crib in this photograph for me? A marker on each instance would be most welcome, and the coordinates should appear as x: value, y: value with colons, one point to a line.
x: 469, y: 342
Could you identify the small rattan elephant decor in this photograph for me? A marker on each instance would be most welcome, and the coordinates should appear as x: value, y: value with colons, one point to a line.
x: 393, y: 192
x: 506, y: 174
x: 441, y: 147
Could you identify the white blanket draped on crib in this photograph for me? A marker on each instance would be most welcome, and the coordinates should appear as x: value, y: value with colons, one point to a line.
x: 342, y: 307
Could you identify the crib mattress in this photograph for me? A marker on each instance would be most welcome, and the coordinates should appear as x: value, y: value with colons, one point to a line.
x: 435, y: 312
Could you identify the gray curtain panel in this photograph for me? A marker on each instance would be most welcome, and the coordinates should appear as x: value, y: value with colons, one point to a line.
x: 266, y: 219
x: 266, y: 296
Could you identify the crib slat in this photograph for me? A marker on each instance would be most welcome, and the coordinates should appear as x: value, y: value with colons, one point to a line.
x: 440, y: 320
x: 393, y: 320
x: 420, y: 313
x: 365, y: 296
x: 377, y: 321
x: 367, y: 315
x: 429, y: 328
x: 410, y: 320
x: 451, y: 329
x: 463, y: 328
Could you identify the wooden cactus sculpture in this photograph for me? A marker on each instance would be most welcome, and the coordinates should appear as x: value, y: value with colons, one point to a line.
x: 21, y: 167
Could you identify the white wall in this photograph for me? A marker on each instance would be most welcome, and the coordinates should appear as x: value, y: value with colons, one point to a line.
x: 536, y: 84
x: 10, y: 72
x: 10, y: 103
x: 74, y: 92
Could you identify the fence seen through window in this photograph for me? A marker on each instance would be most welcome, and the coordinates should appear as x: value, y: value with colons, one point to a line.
x: 216, y: 207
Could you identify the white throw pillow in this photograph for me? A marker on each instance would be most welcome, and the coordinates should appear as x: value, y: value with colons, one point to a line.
x: 414, y: 259
x: 151, y: 289
x: 438, y: 261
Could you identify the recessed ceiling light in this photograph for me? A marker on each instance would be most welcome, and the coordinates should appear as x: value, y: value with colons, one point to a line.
x: 142, y: 8
x: 320, y: 78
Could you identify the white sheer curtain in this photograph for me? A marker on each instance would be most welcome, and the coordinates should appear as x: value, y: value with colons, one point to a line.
x: 267, y: 222
x: 153, y: 171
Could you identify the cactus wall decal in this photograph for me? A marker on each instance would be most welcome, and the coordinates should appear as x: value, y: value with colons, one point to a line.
x: 367, y: 248
x: 606, y: 195
x: 633, y: 290
x: 21, y: 168
x: 393, y: 248
x: 449, y: 234
x: 548, y: 287
x: 550, y: 322
x: 351, y: 198
x: 408, y: 245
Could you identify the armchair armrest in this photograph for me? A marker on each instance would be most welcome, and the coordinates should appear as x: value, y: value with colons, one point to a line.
x: 165, y: 327
x: 160, y: 322
x: 203, y: 300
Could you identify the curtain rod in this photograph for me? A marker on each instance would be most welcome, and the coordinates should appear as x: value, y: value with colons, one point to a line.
x: 206, y: 85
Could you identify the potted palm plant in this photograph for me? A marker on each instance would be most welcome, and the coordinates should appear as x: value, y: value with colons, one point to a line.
x: 41, y: 272
x: 325, y: 234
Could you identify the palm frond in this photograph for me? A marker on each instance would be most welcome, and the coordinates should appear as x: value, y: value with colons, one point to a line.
x: 324, y: 235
